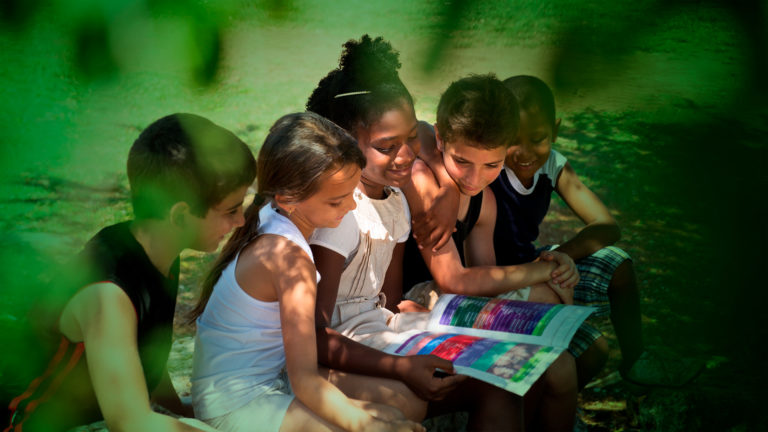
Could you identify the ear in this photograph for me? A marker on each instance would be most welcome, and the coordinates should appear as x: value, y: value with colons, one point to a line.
x: 438, y: 140
x: 556, y: 129
x: 179, y: 214
x: 285, y: 203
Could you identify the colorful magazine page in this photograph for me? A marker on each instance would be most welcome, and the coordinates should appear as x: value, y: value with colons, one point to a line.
x: 508, y: 320
x: 512, y: 366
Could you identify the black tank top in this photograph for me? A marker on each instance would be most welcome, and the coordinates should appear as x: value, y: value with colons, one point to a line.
x: 62, y: 396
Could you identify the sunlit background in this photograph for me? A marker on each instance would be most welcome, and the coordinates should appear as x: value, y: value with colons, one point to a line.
x: 664, y: 116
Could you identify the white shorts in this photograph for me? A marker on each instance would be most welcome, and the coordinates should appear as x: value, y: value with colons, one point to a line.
x: 521, y: 294
x: 264, y: 413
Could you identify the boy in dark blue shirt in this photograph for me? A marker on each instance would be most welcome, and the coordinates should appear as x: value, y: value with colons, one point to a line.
x: 532, y: 171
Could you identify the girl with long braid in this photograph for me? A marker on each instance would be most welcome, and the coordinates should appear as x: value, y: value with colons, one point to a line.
x: 255, y: 363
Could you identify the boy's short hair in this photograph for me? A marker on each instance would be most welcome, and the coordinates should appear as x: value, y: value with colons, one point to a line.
x: 478, y: 108
x: 533, y: 95
x: 185, y: 157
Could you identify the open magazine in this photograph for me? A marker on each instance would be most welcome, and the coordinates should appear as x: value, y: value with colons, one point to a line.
x: 507, y: 343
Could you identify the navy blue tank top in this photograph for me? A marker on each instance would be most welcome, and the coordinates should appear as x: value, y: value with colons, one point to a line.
x: 518, y: 215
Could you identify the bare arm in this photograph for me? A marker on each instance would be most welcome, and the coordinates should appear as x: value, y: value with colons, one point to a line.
x: 102, y: 316
x: 393, y: 280
x: 601, y: 229
x: 434, y: 218
x: 340, y: 352
x: 488, y: 280
x: 293, y: 276
x: 166, y: 396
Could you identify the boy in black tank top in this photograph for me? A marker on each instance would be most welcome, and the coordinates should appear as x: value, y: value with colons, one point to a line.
x: 476, y: 121
x: 111, y: 333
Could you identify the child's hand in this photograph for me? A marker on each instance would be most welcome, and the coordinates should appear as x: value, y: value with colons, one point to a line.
x: 411, y: 306
x: 565, y: 275
x: 418, y: 373
x: 565, y: 294
x: 433, y: 228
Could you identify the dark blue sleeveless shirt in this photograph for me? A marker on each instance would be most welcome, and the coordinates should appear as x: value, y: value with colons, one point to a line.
x: 520, y: 211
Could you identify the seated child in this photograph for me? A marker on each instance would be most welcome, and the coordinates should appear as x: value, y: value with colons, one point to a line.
x: 188, y: 178
x: 362, y: 259
x: 532, y: 170
x: 255, y: 363
x: 476, y: 122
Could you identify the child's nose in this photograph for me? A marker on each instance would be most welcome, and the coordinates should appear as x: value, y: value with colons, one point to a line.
x: 240, y: 219
x: 405, y: 155
x: 472, y: 176
x: 351, y: 204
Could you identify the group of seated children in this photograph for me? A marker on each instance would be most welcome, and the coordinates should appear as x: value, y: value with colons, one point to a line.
x: 311, y: 285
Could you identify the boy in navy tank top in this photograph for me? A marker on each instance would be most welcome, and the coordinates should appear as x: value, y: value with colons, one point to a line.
x: 111, y: 331
x: 532, y: 171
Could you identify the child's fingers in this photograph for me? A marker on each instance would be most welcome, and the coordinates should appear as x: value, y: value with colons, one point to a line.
x: 572, y: 281
x: 561, y: 272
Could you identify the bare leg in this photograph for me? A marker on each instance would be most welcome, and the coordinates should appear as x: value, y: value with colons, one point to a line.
x: 591, y: 361
x: 551, y: 403
x: 542, y: 293
x: 624, y: 297
x: 379, y: 390
x: 490, y: 408
x: 300, y: 418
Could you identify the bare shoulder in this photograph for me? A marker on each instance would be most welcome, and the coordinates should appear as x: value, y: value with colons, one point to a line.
x: 264, y: 265
x: 421, y: 168
x: 273, y: 252
x: 95, y: 305
x: 488, y: 208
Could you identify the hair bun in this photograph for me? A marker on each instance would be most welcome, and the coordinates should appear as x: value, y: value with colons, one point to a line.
x: 369, y: 60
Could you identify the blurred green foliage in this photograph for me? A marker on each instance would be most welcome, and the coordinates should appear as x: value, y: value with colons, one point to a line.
x: 663, y: 105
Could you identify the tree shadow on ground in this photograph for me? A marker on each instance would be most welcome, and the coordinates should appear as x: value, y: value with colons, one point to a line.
x: 687, y: 197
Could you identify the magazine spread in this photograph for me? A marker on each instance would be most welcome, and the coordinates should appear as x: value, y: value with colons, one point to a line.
x: 506, y: 343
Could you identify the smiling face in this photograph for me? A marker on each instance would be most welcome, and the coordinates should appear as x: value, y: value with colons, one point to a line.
x: 219, y: 220
x: 328, y: 205
x: 390, y: 146
x: 470, y: 165
x: 531, y: 147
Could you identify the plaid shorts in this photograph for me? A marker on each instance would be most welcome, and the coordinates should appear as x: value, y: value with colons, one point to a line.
x: 595, y: 272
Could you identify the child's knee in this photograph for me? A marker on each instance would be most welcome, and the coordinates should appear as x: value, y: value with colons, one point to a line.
x: 560, y: 377
x: 542, y: 293
x: 624, y: 275
x: 592, y: 361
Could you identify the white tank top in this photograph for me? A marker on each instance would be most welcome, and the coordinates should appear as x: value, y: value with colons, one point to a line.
x: 239, y: 344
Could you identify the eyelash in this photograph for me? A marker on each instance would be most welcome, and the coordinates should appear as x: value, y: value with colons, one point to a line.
x: 335, y: 204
